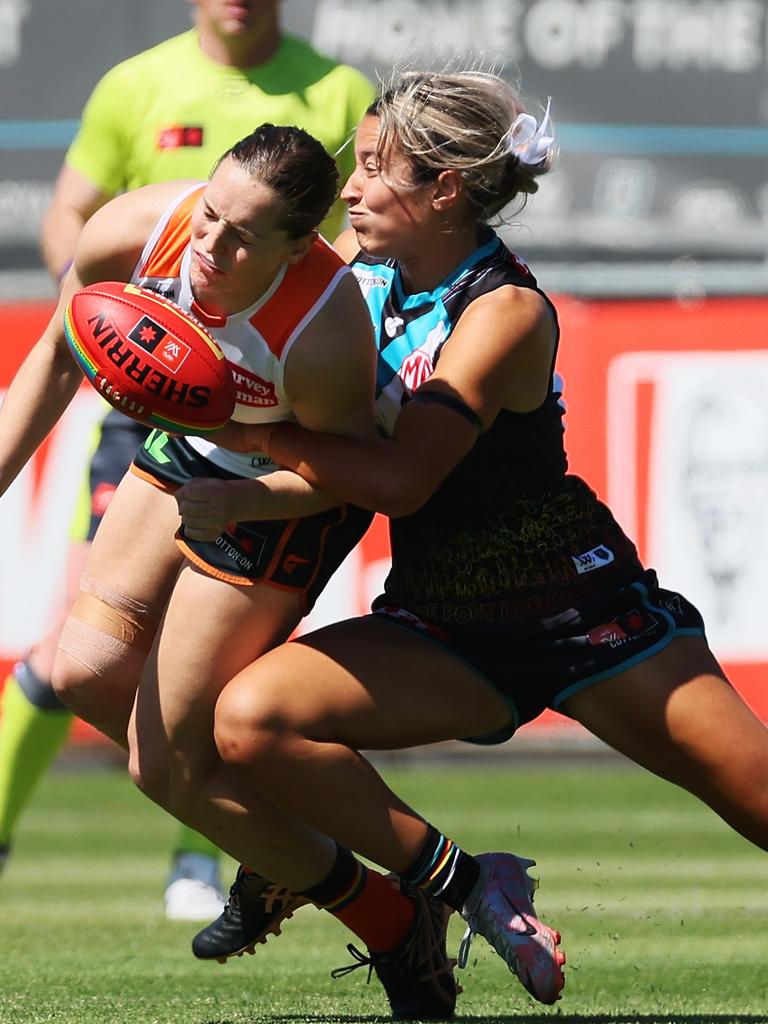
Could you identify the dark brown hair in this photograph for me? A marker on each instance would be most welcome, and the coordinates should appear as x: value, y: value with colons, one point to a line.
x: 295, y: 166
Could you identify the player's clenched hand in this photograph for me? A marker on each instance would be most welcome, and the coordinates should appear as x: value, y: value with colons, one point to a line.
x: 206, y: 506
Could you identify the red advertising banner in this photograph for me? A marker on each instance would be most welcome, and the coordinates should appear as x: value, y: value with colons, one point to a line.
x: 665, y: 417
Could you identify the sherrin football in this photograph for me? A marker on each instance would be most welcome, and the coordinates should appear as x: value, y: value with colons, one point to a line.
x: 149, y: 358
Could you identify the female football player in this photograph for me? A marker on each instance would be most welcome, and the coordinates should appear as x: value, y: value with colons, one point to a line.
x: 164, y: 618
x: 512, y: 587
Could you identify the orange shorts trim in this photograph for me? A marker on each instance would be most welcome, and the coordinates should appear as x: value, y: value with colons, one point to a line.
x: 161, y: 485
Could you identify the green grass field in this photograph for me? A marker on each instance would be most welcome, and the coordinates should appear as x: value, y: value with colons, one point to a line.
x: 663, y: 910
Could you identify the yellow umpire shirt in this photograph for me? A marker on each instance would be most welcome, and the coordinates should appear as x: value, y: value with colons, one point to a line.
x: 170, y: 112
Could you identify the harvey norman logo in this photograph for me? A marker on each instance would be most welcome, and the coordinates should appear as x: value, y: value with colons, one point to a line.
x: 252, y: 389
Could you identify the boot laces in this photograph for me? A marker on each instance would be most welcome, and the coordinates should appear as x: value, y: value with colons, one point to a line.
x: 362, y: 961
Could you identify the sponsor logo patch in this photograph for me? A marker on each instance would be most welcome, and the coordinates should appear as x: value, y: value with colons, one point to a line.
x: 673, y: 605
x: 179, y: 136
x: 415, y: 369
x: 149, y: 335
x: 233, y: 551
x: 159, y: 288
x: 292, y: 562
x: 253, y: 390
x: 607, y: 633
x: 632, y: 625
x: 597, y: 558
x: 392, y: 325
x: 368, y: 279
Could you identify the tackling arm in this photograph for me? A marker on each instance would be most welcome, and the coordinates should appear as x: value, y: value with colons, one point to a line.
x: 499, y: 356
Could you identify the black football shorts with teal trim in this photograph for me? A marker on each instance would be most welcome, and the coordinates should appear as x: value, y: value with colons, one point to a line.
x: 290, y: 554
x: 539, y: 664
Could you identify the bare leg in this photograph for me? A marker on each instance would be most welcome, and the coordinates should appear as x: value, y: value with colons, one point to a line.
x: 676, y: 715
x: 193, y: 857
x: 294, y: 721
x: 133, y: 559
x: 210, y: 631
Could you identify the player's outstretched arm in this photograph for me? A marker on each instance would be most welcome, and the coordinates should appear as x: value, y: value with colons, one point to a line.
x: 107, y: 249
x: 42, y: 389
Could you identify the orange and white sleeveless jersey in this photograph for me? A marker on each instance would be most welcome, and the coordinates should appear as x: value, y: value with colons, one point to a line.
x: 257, y: 340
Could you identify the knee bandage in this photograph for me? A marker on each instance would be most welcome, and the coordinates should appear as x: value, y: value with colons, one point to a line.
x: 105, y: 628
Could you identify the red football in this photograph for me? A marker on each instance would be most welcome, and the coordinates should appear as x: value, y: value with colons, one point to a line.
x: 149, y: 358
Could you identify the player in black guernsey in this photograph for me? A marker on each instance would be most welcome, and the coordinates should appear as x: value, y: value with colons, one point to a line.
x: 512, y: 587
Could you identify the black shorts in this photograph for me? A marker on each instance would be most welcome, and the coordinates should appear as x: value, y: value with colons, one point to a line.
x: 116, y: 441
x: 540, y: 665
x: 291, y: 554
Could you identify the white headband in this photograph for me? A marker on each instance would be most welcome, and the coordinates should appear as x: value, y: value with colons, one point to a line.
x: 528, y: 139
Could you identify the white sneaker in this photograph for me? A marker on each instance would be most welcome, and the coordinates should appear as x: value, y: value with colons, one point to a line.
x: 193, y: 891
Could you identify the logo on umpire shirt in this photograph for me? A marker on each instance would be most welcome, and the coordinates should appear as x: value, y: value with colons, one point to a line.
x: 149, y: 335
x: 180, y: 136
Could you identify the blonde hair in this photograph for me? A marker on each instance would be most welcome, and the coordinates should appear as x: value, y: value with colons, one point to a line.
x: 457, y: 121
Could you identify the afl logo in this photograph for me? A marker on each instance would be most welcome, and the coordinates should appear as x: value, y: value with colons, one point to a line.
x: 415, y: 369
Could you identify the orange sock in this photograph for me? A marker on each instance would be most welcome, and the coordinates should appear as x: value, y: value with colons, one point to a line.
x: 365, y: 901
x: 379, y: 914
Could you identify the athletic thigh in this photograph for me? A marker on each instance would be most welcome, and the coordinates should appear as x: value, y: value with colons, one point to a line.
x: 113, y: 448
x: 129, y: 573
x: 211, y: 630
x: 676, y: 714
x: 134, y: 551
x: 365, y: 683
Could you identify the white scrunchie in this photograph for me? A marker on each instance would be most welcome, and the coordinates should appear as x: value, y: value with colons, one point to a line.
x: 528, y: 139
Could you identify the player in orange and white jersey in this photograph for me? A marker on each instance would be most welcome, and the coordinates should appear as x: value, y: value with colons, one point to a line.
x: 162, y: 621
x: 164, y: 114
x: 259, y: 341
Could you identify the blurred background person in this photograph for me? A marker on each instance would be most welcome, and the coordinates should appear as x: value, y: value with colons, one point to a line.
x: 164, y: 114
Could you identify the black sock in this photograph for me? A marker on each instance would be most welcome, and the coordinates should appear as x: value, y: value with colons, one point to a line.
x: 444, y: 870
x: 341, y: 885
